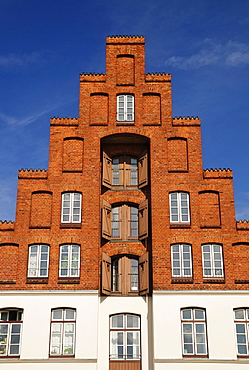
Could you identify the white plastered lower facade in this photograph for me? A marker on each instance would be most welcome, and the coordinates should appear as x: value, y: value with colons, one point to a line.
x: 161, y: 337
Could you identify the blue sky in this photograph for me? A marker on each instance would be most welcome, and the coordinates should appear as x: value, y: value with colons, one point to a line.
x: 46, y: 44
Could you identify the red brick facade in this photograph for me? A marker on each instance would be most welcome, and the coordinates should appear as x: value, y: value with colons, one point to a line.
x: 173, y: 146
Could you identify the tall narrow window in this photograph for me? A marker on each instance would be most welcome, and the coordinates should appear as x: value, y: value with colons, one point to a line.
x: 194, y: 338
x: 71, y: 208
x: 181, y: 260
x: 212, y: 261
x: 179, y: 207
x: 125, y: 337
x: 125, y: 108
x: 38, y: 260
x: 10, y: 332
x: 125, y: 221
x: 125, y: 171
x: 241, y: 318
x: 69, y: 261
x: 125, y: 275
x: 62, y: 341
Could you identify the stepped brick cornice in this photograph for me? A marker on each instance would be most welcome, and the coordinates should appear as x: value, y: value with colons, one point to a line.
x: 63, y: 121
x: 218, y: 173
x: 32, y: 173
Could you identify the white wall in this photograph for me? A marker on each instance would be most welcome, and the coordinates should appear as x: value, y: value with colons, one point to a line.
x: 219, y: 307
x: 36, y: 322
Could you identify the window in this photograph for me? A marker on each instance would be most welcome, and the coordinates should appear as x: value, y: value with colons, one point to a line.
x: 125, y: 108
x: 10, y: 332
x: 125, y: 171
x: 38, y: 260
x: 125, y: 275
x: 125, y: 337
x: 241, y: 318
x: 194, y: 340
x: 124, y: 266
x: 179, y: 207
x: 181, y: 260
x: 71, y: 208
x: 69, y: 260
x: 212, y: 261
x: 62, y: 341
x: 125, y: 221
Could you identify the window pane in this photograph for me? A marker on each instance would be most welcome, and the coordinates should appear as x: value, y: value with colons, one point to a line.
x: 199, y: 315
x: 133, y: 321
x: 239, y: 314
x: 117, y: 321
x: 57, y: 314
x: 186, y: 314
x: 69, y: 314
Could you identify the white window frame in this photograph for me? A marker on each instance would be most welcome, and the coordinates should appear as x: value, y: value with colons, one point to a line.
x: 212, y: 261
x: 64, y: 324
x: 191, y: 328
x: 181, y: 260
x: 35, y: 267
x: 124, y: 332
x: 179, y: 211
x: 125, y: 113
x: 5, y: 321
x: 69, y: 261
x: 70, y: 213
x: 241, y: 319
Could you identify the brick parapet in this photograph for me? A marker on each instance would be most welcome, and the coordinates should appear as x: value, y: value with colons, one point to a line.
x: 242, y: 225
x: 214, y: 173
x: 7, y: 225
x: 158, y: 77
x: 92, y: 77
x: 121, y: 39
x: 186, y: 121
x: 63, y: 121
x: 32, y: 174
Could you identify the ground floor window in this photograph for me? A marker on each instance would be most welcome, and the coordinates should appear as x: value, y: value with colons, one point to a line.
x: 10, y: 332
x: 62, y: 341
x: 125, y: 337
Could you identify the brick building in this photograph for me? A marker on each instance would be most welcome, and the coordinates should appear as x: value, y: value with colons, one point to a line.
x: 125, y: 254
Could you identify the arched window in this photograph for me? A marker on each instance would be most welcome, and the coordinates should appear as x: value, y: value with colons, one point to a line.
x: 194, y: 336
x: 125, y: 275
x: 181, y: 260
x: 212, y: 261
x: 71, y: 208
x: 241, y: 318
x: 125, y: 171
x: 125, y: 221
x: 69, y: 260
x: 125, y: 108
x: 179, y: 207
x: 62, y: 339
x: 10, y: 331
x: 125, y: 337
x: 38, y: 260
